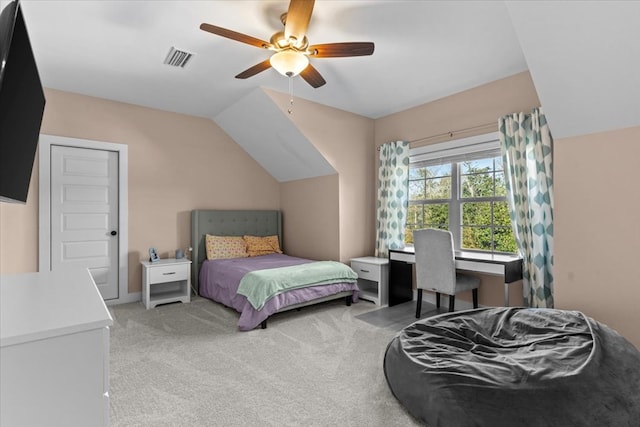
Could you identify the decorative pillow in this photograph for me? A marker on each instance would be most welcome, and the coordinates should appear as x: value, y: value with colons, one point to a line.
x: 257, y: 245
x: 219, y: 247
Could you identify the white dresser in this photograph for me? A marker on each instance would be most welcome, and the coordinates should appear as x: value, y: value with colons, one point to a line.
x: 54, y: 350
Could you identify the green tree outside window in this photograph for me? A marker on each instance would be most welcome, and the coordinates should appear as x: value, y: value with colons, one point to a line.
x: 476, y: 188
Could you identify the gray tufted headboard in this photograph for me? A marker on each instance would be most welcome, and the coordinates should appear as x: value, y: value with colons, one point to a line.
x: 228, y: 223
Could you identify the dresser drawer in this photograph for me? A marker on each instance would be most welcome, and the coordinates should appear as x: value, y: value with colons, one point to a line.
x: 366, y: 271
x: 168, y: 273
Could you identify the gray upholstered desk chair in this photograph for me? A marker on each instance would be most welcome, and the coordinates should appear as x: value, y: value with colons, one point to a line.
x: 436, y: 268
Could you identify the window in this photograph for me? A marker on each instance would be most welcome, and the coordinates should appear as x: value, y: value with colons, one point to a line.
x: 460, y: 186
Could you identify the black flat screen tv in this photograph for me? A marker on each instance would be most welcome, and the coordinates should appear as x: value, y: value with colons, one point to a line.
x: 21, y: 105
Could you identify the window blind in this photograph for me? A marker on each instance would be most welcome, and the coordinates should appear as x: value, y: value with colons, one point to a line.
x: 461, y: 150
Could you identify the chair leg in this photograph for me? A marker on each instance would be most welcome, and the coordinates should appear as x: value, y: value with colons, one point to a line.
x: 452, y: 302
x: 437, y: 299
x: 419, y: 303
x: 475, y: 298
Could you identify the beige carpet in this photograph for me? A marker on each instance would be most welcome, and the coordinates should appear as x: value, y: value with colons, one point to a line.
x: 187, y: 365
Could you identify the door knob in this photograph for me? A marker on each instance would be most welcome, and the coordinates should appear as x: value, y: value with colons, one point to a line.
x: 113, y: 232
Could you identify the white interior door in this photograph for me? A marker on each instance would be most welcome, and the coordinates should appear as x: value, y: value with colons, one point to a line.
x: 84, y: 213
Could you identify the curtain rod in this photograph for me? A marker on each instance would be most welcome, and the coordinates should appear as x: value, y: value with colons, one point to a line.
x: 451, y: 133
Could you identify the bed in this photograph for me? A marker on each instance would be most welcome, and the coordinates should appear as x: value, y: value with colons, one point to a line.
x: 221, y: 280
x: 515, y: 367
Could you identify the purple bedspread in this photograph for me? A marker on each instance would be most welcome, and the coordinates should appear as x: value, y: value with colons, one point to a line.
x: 219, y: 280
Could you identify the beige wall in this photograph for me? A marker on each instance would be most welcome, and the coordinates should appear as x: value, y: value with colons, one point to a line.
x: 597, y: 228
x: 176, y: 163
x: 479, y: 106
x: 345, y: 140
x: 311, y: 217
x: 479, y: 109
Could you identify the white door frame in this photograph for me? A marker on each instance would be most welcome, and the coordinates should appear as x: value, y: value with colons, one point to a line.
x: 44, y: 218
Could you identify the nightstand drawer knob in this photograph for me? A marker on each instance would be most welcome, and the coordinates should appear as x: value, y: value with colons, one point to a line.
x: 365, y: 271
x: 168, y: 274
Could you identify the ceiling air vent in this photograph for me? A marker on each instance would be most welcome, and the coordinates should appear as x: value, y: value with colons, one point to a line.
x: 177, y: 57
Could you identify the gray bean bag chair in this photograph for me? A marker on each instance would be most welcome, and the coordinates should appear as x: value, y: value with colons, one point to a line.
x: 515, y: 367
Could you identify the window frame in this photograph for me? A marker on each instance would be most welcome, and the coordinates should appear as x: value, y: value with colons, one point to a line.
x: 455, y: 152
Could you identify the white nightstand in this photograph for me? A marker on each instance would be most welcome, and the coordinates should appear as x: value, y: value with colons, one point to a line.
x: 167, y: 280
x: 373, y: 277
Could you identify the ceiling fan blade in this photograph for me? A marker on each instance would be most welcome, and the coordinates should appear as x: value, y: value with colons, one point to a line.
x: 252, y: 71
x: 312, y: 76
x: 334, y: 50
x: 298, y: 17
x: 234, y: 35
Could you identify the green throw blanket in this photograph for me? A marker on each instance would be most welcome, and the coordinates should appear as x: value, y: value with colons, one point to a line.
x: 261, y: 285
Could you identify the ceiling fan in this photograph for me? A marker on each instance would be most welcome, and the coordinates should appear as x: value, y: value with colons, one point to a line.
x: 291, y: 47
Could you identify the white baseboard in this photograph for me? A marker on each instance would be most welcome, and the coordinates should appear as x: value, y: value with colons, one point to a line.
x: 133, y: 297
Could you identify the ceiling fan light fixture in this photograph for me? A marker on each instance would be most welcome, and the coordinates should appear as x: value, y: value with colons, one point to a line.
x: 289, y: 62
x: 291, y: 49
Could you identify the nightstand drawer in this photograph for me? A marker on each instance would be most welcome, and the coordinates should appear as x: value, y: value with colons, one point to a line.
x: 366, y: 271
x: 168, y: 273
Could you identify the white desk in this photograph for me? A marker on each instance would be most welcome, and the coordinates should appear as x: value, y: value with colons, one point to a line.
x: 401, y: 270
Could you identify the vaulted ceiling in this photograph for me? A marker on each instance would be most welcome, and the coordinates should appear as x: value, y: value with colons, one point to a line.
x: 424, y: 50
x: 583, y: 56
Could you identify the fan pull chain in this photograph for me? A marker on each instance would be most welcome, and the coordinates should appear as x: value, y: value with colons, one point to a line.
x: 290, y: 110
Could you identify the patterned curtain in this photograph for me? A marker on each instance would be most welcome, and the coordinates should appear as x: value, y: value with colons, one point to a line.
x: 393, y: 197
x: 527, y: 152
